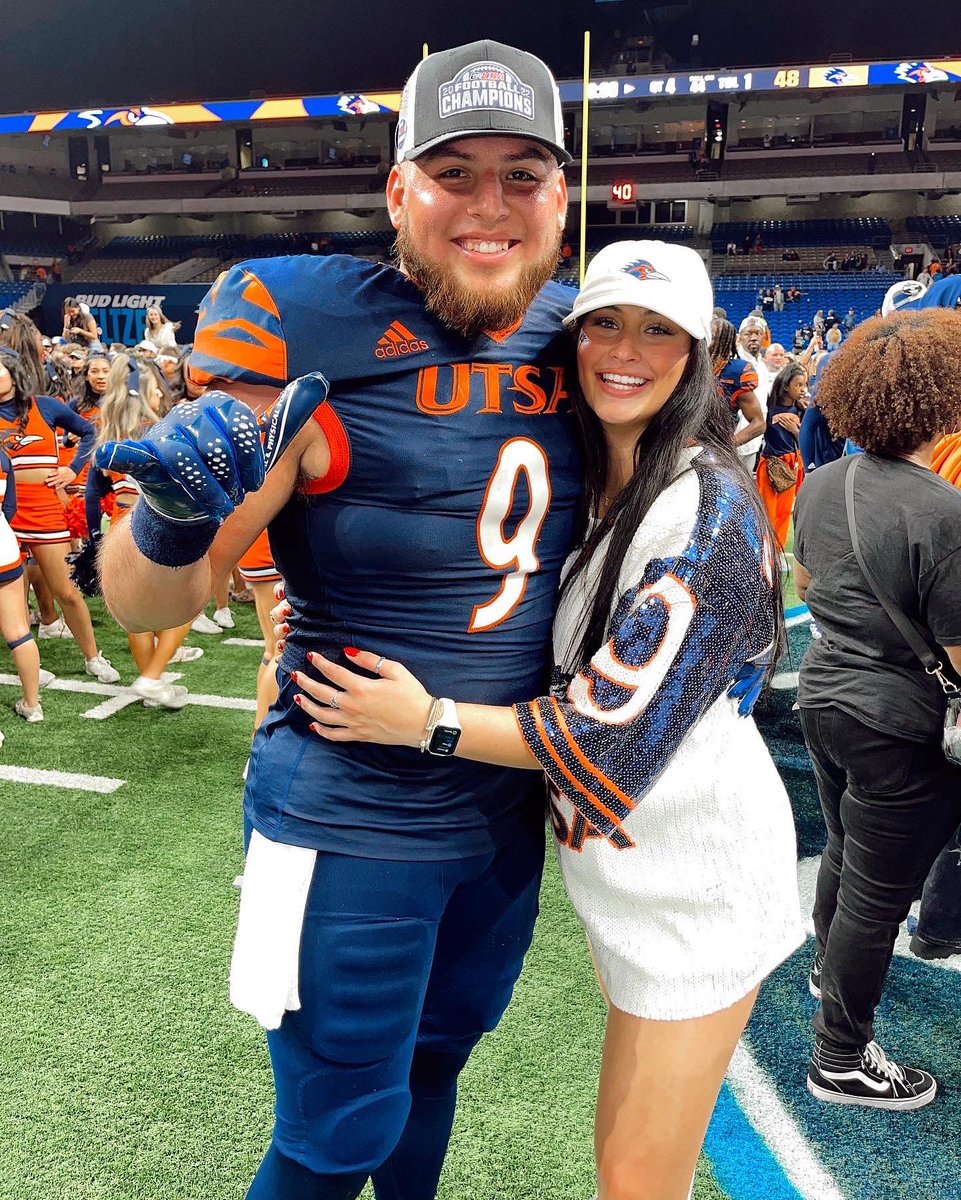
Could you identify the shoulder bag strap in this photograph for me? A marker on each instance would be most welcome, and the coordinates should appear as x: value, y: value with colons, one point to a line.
x: 899, y: 619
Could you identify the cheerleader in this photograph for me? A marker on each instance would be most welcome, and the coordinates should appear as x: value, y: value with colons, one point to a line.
x: 13, y: 617
x: 28, y: 433
x: 135, y: 398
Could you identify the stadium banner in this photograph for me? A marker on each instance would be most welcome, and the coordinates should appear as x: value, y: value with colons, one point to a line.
x: 600, y: 91
x: 120, y: 309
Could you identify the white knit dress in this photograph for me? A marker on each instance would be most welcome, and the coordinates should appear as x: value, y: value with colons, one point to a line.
x: 674, y: 831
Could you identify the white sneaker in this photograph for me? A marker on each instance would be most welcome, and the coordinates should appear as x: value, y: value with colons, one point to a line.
x: 169, y: 695
x: 30, y: 715
x: 101, y: 669
x: 185, y: 654
x: 56, y: 629
x: 46, y: 677
x: 203, y: 624
x: 224, y: 618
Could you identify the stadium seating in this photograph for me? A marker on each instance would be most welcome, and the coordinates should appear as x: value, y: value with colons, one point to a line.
x: 10, y: 293
x: 939, y: 231
x: 828, y: 232
x: 864, y: 293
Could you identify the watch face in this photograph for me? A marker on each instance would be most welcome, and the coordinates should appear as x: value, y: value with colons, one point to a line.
x: 443, y: 740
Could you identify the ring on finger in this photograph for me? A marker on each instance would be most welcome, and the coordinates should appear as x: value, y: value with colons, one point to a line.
x: 379, y: 663
x: 332, y: 702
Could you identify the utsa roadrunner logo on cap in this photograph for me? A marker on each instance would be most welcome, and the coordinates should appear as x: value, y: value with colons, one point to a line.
x: 837, y: 75
x: 642, y: 269
x: 485, y: 85
x: 398, y: 341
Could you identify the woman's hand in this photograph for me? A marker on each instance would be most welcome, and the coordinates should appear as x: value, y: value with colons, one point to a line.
x: 789, y: 421
x: 62, y: 477
x: 391, y: 710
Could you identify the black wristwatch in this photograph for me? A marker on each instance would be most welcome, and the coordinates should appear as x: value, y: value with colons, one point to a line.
x: 443, y: 729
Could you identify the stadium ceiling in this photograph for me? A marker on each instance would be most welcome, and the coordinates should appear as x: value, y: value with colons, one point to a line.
x: 58, y: 54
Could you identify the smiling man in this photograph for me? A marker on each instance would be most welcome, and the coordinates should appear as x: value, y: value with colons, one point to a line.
x: 424, y: 511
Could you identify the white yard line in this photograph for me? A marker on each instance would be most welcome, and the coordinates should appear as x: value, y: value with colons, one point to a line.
x: 764, y: 1109
x: 253, y: 643
x: 800, y: 619
x: 202, y: 700
x: 63, y: 779
x: 785, y: 681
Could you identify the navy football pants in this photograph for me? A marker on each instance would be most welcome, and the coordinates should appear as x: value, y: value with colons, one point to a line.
x: 404, y: 965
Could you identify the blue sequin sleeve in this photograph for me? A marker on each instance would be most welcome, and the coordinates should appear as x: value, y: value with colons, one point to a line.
x: 678, y: 638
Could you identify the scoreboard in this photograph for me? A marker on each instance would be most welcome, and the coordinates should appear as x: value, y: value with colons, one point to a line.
x: 765, y: 79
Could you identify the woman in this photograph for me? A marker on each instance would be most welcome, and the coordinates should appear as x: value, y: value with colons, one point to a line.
x: 88, y: 396
x: 872, y: 716
x: 13, y: 617
x: 136, y: 397
x: 161, y: 333
x: 682, y: 868
x: 78, y: 324
x: 28, y: 431
x: 780, y: 471
x: 260, y: 574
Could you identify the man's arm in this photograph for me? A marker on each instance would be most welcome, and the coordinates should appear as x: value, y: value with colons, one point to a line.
x: 143, y: 595
x: 752, y: 412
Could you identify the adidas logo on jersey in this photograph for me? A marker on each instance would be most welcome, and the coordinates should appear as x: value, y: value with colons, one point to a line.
x: 398, y: 341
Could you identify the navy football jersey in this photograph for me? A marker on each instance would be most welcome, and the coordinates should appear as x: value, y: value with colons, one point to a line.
x: 437, y: 537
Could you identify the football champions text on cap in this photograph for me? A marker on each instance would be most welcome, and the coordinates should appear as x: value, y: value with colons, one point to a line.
x: 483, y: 88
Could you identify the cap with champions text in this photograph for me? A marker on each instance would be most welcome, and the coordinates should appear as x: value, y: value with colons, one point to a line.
x: 484, y: 88
x: 660, y: 276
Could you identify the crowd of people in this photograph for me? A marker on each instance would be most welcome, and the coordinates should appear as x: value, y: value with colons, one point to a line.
x: 61, y: 398
x: 390, y: 888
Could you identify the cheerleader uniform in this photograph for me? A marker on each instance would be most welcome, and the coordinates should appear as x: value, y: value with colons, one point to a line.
x: 257, y: 565
x: 31, y: 442
x: 76, y: 502
x: 11, y: 556
x: 674, y: 831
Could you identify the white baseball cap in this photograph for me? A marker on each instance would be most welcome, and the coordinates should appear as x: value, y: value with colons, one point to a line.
x: 665, y: 278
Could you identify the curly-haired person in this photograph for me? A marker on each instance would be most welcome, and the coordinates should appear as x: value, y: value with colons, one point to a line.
x: 872, y: 717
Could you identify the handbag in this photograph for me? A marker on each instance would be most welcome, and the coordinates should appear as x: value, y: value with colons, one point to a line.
x: 781, y: 475
x: 951, y: 737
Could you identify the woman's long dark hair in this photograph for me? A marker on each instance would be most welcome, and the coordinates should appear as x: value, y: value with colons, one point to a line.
x: 23, y: 338
x: 21, y: 381
x: 694, y: 413
x: 86, y: 398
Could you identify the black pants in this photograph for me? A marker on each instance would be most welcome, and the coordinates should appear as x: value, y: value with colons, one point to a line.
x: 939, y: 921
x: 889, y: 805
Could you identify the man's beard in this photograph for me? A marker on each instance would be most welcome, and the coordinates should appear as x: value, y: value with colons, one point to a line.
x: 467, y: 310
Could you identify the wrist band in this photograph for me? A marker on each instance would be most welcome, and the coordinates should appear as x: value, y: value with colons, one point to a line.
x: 170, y: 543
x: 433, y: 717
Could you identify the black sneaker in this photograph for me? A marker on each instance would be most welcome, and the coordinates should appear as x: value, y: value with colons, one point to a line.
x: 868, y: 1078
x: 814, y: 979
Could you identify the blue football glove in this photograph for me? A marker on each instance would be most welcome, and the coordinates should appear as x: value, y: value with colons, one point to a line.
x: 199, y: 462
x: 748, y: 683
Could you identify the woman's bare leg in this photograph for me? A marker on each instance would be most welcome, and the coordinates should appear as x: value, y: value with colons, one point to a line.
x: 15, y: 627
x: 267, y: 689
x: 659, y: 1083
x: 53, y: 566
